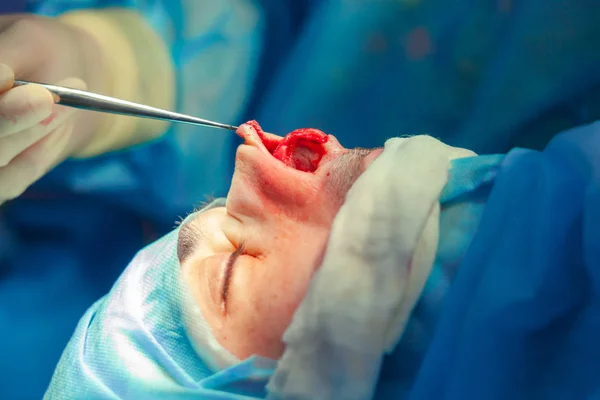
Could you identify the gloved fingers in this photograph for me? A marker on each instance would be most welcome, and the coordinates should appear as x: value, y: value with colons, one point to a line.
x: 24, y: 43
x: 12, y: 145
x: 23, y: 107
x: 6, y: 20
x: 34, y: 162
x: 59, y: 113
x: 7, y: 78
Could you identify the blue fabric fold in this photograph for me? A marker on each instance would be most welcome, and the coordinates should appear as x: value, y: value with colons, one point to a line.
x: 522, y: 318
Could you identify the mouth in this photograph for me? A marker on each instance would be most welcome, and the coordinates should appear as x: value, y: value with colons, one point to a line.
x: 302, y: 149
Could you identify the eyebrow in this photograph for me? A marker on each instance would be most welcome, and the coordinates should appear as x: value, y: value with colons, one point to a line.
x: 186, y: 242
x: 229, y: 272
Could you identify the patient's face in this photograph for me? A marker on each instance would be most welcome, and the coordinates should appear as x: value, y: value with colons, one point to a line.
x: 249, y: 264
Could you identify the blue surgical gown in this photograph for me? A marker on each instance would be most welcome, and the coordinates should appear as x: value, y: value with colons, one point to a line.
x: 484, y: 75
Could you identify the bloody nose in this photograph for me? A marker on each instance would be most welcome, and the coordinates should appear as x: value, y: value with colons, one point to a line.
x: 301, y: 149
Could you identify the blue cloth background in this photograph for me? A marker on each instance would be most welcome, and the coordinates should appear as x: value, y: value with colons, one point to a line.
x: 521, y: 319
x: 484, y: 75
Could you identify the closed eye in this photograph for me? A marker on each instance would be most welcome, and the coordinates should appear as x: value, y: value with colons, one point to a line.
x: 228, y: 274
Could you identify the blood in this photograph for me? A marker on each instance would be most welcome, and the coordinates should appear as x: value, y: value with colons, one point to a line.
x: 301, y: 149
x: 270, y: 143
x: 48, y: 120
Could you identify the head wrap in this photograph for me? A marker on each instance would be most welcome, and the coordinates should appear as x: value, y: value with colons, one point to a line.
x: 147, y: 339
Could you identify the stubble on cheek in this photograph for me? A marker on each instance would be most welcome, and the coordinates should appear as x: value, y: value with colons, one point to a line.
x: 344, y: 172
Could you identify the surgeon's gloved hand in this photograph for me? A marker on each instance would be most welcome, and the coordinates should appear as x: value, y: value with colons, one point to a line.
x: 96, y: 50
x: 35, y: 133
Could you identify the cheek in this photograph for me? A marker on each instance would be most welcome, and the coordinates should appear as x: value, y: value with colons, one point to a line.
x: 257, y: 325
x: 256, y: 328
x: 368, y: 160
x: 265, y: 297
x: 203, y: 276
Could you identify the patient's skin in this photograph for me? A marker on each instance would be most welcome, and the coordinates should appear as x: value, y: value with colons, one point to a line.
x: 283, y: 217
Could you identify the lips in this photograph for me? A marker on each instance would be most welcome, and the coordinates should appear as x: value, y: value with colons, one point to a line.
x: 302, y: 149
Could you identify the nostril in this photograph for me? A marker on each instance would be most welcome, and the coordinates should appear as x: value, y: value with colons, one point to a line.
x: 304, y: 155
x: 304, y: 159
x: 302, y: 149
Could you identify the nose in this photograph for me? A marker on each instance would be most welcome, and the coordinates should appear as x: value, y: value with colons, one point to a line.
x: 302, y: 149
x: 279, y: 176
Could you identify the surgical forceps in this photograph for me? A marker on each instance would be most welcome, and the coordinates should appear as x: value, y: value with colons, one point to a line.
x: 106, y: 104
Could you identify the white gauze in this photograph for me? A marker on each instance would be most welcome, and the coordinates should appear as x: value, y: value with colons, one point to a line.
x: 380, y: 252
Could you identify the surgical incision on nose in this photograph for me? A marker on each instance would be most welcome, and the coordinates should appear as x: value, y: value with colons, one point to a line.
x: 301, y: 149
